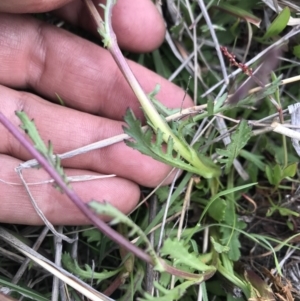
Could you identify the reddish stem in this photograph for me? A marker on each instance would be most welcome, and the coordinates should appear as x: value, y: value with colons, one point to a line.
x: 100, y: 224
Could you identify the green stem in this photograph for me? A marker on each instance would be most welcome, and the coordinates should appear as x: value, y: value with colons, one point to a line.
x: 277, y: 97
x: 226, y: 270
x: 188, y: 153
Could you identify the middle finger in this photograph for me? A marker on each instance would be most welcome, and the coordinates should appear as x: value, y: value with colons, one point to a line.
x: 69, y: 129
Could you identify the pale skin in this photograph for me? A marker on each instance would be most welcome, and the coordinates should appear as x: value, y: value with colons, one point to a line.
x: 45, y: 60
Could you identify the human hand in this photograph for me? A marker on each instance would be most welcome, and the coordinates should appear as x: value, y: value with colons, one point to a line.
x: 47, y: 60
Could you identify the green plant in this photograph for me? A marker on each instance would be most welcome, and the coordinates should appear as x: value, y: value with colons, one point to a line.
x: 208, y: 224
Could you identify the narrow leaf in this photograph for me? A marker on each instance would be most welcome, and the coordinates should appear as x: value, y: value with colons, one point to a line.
x: 239, y: 12
x: 279, y: 24
x: 210, y: 107
x: 238, y: 140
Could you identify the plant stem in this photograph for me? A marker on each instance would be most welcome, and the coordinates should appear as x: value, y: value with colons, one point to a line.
x: 110, y: 41
x: 225, y: 269
x: 100, y: 224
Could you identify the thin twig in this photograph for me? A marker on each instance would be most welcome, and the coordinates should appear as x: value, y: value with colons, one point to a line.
x: 215, y: 39
x: 58, y: 255
x: 26, y: 262
x: 150, y: 273
x: 162, y: 231
x: 184, y: 210
x: 67, y: 277
x: 195, y: 51
x: 40, y: 212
